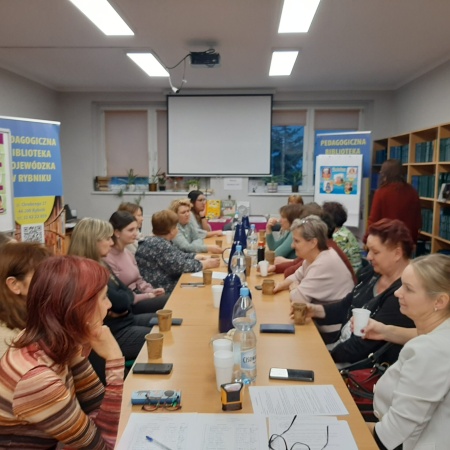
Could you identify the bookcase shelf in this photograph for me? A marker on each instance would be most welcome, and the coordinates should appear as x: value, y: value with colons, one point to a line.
x: 425, y: 156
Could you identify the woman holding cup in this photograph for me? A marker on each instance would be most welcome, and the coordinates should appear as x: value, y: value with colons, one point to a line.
x: 390, y: 245
x: 412, y: 398
x: 198, y: 216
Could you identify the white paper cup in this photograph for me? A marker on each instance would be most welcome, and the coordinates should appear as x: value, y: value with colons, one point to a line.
x: 217, y: 294
x: 222, y: 344
x: 263, y: 268
x: 223, y: 363
x: 228, y: 236
x: 360, y: 319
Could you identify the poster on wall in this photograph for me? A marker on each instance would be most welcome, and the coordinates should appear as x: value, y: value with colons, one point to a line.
x: 37, y: 180
x: 338, y: 179
x: 6, y: 185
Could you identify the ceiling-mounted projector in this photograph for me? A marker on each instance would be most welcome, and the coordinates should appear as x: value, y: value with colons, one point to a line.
x: 209, y: 58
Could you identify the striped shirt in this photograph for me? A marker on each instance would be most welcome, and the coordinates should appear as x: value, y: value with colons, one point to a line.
x: 43, y: 403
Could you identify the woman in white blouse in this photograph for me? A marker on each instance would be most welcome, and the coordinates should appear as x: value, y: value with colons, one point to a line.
x: 412, y: 399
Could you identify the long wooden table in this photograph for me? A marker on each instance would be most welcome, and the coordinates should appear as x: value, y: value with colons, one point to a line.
x: 188, y: 347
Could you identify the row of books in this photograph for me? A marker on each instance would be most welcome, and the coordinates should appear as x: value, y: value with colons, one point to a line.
x: 400, y: 152
x: 424, y: 151
x: 444, y: 149
x: 427, y: 220
x: 444, y: 226
x: 424, y: 185
x: 380, y: 156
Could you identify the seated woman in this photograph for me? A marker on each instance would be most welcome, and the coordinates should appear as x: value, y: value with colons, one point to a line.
x: 412, y: 398
x: 198, y: 218
x: 188, y: 238
x: 283, y: 246
x: 323, y: 276
x: 136, y: 211
x: 92, y: 238
x: 17, y: 265
x: 342, y: 235
x: 295, y: 199
x: 49, y: 393
x: 147, y: 299
x: 160, y: 262
x: 390, y: 245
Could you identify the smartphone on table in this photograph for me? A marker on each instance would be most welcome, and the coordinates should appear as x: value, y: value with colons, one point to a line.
x: 291, y: 374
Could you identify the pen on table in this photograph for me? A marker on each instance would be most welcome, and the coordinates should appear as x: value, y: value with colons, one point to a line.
x: 192, y: 285
x: 150, y: 439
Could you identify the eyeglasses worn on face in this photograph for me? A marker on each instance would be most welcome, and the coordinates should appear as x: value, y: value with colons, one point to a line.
x: 284, y: 445
x: 170, y: 401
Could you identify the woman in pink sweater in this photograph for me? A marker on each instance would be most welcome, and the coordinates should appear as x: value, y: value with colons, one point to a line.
x: 122, y: 262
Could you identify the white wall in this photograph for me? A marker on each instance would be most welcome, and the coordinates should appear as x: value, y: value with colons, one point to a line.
x: 20, y: 97
x: 79, y: 137
x: 423, y: 103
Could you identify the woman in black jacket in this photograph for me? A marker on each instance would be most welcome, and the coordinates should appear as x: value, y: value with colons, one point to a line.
x: 91, y: 238
x: 390, y: 245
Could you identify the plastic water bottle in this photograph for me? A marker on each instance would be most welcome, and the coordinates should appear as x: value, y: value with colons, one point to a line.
x: 244, y: 339
x: 235, y: 221
x: 252, y: 244
x: 238, y: 263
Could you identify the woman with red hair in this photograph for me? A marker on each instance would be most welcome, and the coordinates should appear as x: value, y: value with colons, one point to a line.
x: 49, y: 393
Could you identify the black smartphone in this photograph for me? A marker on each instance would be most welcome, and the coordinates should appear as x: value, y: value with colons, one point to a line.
x: 291, y: 374
x: 277, y: 328
x: 175, y: 321
x: 258, y: 287
x: 152, y: 369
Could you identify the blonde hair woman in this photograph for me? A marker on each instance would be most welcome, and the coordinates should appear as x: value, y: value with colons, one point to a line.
x: 412, y: 398
x: 188, y: 237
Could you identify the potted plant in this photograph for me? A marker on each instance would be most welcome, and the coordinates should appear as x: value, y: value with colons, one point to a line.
x: 153, y: 181
x: 296, y: 179
x: 131, y: 180
x: 193, y: 184
x: 272, y: 183
x: 162, y: 179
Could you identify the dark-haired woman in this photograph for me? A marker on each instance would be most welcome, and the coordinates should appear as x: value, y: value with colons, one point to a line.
x: 17, y: 265
x: 122, y: 262
x: 137, y: 212
x: 49, y: 393
x: 396, y: 199
x: 198, y: 216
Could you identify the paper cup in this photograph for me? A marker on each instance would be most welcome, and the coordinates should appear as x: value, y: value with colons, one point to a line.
x: 269, y: 256
x: 268, y: 286
x: 223, y: 363
x: 361, y: 317
x: 222, y: 344
x: 219, y: 243
x: 228, y: 236
x: 154, y: 345
x: 207, y: 276
x: 164, y: 319
x: 263, y: 268
x: 217, y: 294
x: 248, y: 266
x: 300, y: 310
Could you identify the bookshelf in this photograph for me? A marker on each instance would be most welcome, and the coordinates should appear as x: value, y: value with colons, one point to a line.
x: 425, y: 156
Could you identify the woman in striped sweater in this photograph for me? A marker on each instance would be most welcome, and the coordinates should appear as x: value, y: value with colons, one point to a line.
x: 49, y: 393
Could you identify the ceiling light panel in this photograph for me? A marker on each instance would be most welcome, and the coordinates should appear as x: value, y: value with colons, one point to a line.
x: 297, y: 15
x: 282, y: 63
x: 104, y: 16
x: 149, y: 64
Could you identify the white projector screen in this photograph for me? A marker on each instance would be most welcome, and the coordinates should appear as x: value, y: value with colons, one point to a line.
x: 223, y: 135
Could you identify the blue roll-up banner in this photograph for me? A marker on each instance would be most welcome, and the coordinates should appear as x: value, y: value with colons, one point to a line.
x: 37, y: 178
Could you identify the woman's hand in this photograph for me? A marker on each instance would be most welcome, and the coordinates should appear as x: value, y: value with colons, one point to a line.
x: 211, y: 263
x: 312, y: 312
x: 374, y: 330
x: 215, y: 249
x: 270, y: 223
x: 159, y: 291
x: 281, y: 286
x: 104, y: 344
x: 271, y: 269
x: 281, y: 259
x: 200, y: 257
x: 293, y: 285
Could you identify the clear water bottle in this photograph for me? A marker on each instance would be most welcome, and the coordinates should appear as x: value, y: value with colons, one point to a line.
x: 252, y: 244
x: 244, y: 339
x: 238, y: 263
